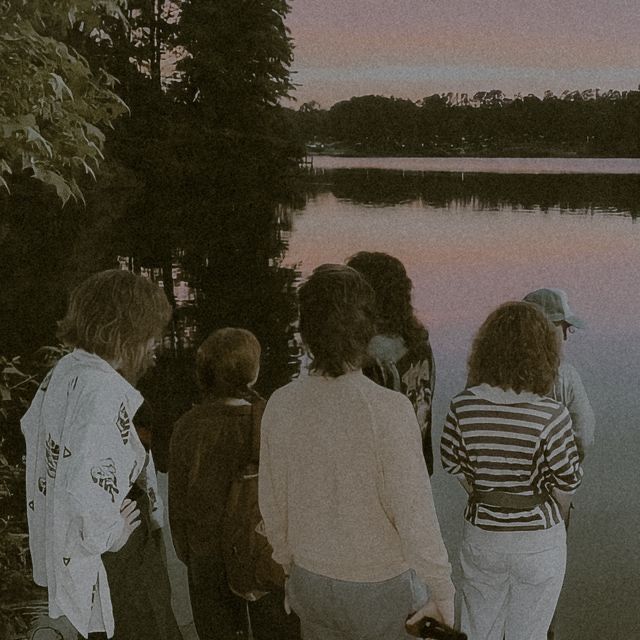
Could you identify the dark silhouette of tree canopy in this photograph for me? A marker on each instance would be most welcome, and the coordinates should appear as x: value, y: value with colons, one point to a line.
x: 239, y: 54
x: 489, y: 123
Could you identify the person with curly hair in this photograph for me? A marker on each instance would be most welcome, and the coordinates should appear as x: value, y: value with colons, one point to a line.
x: 513, y: 450
x: 400, y: 355
x: 343, y: 488
x: 85, y: 461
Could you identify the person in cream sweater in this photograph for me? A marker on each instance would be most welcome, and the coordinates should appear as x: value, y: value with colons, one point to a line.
x: 344, y: 491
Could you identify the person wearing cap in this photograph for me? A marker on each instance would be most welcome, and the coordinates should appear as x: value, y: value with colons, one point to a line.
x: 568, y: 387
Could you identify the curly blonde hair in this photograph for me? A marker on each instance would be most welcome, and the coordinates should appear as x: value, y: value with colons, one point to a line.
x: 515, y: 348
x: 114, y: 314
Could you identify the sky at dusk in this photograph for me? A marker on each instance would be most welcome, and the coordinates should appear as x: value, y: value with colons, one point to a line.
x: 414, y: 48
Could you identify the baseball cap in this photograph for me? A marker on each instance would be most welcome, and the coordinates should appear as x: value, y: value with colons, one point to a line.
x: 555, y: 305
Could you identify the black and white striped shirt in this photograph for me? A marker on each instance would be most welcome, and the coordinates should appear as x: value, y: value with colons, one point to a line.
x: 519, y: 443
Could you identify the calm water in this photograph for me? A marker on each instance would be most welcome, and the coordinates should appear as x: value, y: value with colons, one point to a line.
x: 468, y: 253
x: 487, y: 165
x: 470, y: 238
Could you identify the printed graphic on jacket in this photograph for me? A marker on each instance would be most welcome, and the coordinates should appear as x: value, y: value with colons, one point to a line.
x: 52, y: 452
x: 104, y: 474
x: 72, y: 385
x: 417, y: 383
x: 45, y: 383
x: 123, y: 423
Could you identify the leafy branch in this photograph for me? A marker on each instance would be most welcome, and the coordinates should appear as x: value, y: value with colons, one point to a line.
x: 53, y: 106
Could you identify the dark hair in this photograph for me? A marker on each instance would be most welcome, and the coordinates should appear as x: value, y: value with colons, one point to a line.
x: 227, y: 362
x: 336, y: 318
x: 114, y: 314
x: 392, y: 287
x: 516, y: 348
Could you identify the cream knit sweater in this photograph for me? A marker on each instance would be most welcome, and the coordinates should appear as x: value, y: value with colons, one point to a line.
x: 344, y: 489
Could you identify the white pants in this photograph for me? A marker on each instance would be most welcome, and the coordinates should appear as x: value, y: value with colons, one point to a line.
x: 511, y: 582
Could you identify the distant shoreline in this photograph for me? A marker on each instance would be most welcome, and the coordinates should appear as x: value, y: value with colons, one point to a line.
x: 506, y: 153
x: 477, y: 164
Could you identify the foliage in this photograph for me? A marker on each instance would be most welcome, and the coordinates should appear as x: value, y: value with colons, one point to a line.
x: 239, y: 54
x: 489, y: 123
x: 53, y: 106
x: 17, y: 386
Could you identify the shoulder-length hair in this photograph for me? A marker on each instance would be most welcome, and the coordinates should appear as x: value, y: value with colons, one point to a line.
x: 227, y: 362
x: 392, y: 288
x: 336, y: 318
x: 114, y: 314
x: 515, y: 348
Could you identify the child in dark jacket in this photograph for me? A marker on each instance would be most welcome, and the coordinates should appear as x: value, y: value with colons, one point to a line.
x: 210, y: 444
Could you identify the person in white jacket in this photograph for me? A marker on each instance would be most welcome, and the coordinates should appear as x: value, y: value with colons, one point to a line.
x: 82, y: 451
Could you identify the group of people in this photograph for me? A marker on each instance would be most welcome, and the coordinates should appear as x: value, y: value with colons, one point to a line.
x: 345, y: 462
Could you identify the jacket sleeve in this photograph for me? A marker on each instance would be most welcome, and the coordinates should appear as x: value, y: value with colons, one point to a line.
x: 409, y: 501
x: 178, y: 488
x: 148, y: 482
x: 272, y: 488
x: 425, y: 415
x: 452, y: 449
x: 97, y: 479
x: 561, y: 454
x: 418, y: 384
x: 580, y: 410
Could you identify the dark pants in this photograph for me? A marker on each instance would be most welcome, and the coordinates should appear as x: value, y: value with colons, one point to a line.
x: 219, y: 613
x: 139, y: 585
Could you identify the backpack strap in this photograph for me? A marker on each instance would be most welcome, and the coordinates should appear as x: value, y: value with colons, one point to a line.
x: 257, y: 409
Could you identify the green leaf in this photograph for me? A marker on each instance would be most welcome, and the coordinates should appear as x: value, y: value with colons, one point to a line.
x: 93, y: 131
x: 59, y: 86
x: 35, y: 137
x: 56, y: 180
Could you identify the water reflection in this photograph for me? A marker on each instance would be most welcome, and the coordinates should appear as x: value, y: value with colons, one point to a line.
x: 470, y: 244
x: 220, y: 266
x: 478, y: 191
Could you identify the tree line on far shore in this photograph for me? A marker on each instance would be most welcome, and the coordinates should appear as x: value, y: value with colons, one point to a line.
x: 575, y: 123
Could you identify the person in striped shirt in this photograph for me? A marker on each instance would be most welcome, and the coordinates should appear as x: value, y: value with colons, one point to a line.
x: 513, y: 450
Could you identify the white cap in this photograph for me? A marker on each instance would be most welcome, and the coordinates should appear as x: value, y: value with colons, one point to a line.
x: 555, y: 305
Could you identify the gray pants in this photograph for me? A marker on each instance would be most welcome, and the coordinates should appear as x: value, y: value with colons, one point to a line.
x: 332, y: 609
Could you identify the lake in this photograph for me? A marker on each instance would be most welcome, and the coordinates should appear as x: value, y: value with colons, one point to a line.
x: 467, y: 251
x: 472, y: 234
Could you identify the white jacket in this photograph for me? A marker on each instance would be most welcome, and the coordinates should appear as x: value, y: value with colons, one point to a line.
x: 83, y: 455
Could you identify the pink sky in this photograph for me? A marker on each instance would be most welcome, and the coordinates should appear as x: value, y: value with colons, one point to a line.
x: 413, y: 48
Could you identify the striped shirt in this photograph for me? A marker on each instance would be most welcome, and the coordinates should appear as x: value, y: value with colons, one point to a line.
x: 519, y: 443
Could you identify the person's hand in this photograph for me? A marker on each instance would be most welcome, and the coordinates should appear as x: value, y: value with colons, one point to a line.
x: 287, y: 606
x: 129, y: 513
x: 429, y: 610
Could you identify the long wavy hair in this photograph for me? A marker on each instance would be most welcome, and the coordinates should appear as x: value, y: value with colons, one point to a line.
x: 336, y: 318
x: 227, y: 362
x: 114, y: 314
x: 392, y: 288
x: 515, y: 348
